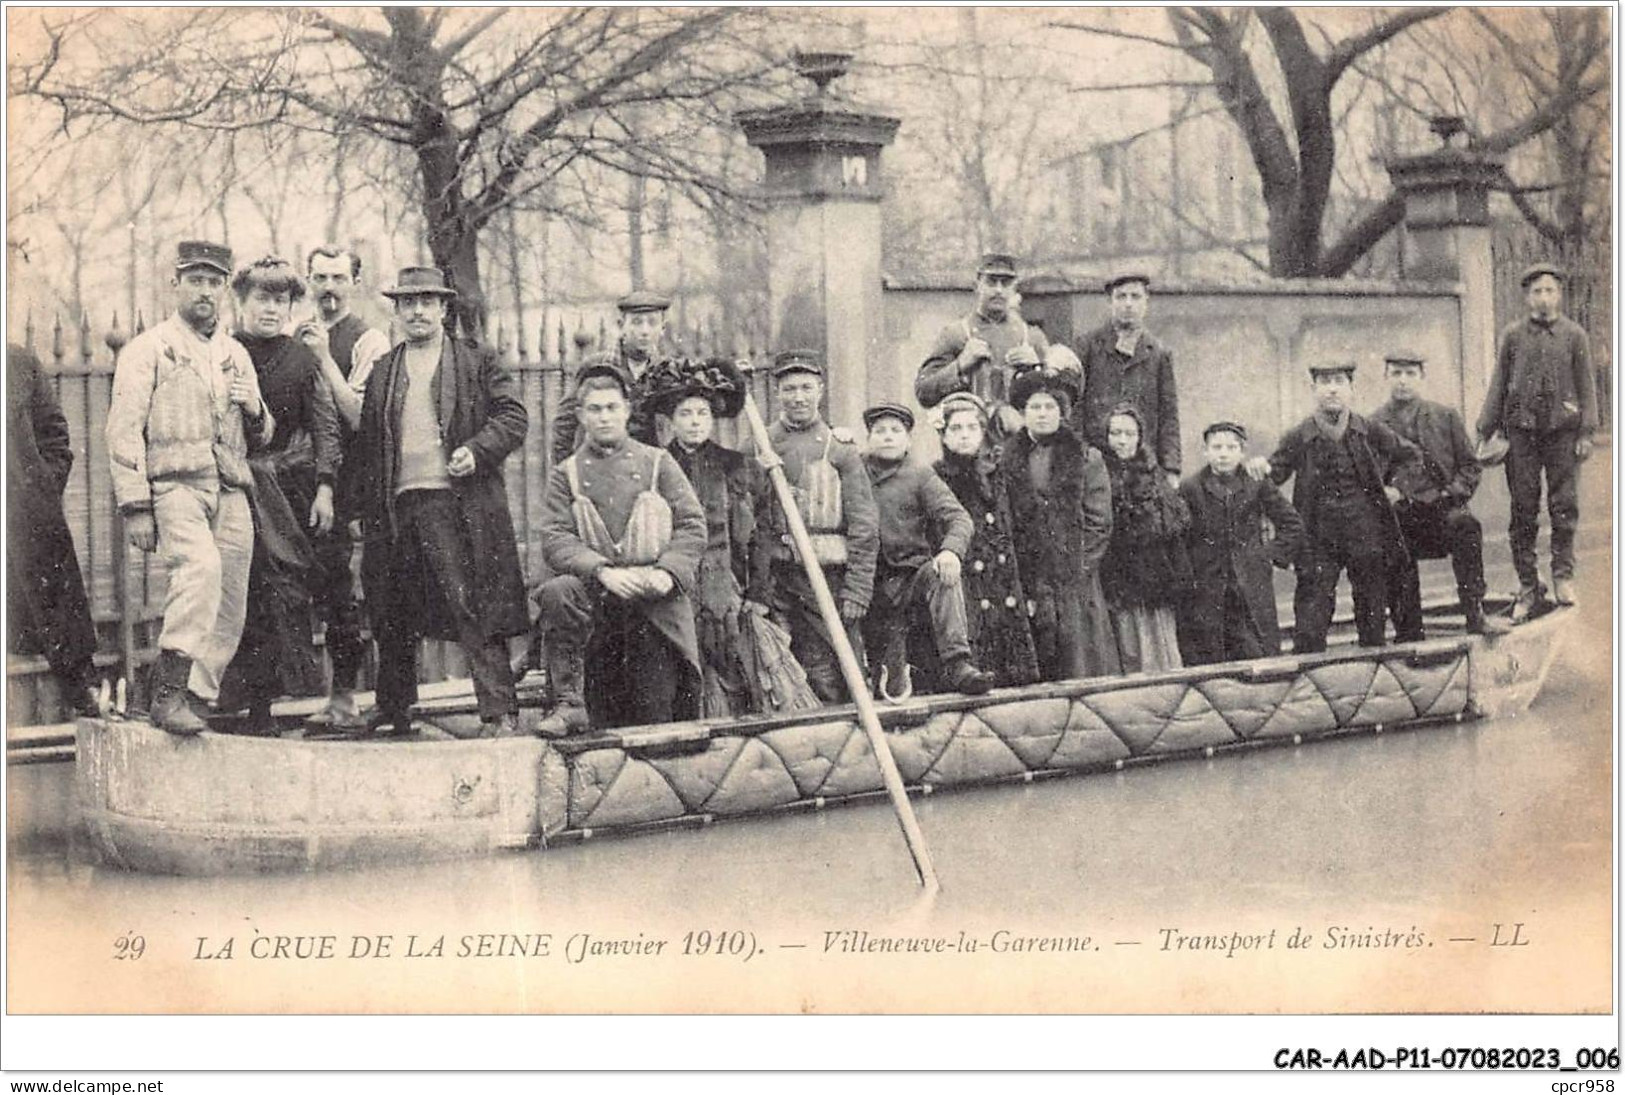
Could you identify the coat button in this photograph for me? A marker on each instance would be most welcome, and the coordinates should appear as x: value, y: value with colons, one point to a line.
x: 990, y: 518
x: 979, y: 566
x: 1009, y: 602
x: 1001, y: 557
x: 986, y: 603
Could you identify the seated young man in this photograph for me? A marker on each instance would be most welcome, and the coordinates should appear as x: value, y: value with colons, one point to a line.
x: 924, y: 535
x: 623, y: 532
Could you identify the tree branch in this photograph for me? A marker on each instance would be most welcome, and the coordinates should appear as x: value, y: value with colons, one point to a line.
x: 1345, y: 52
x: 1362, y: 236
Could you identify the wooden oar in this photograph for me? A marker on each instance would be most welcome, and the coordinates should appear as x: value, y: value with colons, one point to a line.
x: 868, y: 718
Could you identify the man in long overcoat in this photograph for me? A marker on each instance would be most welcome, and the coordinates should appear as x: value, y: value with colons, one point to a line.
x: 425, y: 475
x: 45, y: 595
x: 1339, y: 462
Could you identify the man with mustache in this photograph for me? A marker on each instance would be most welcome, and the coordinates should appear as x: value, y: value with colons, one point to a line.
x: 425, y: 479
x: 185, y: 407
x: 347, y: 348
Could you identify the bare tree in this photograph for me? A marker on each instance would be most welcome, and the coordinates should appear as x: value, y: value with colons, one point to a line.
x: 491, y: 104
x: 1279, y: 88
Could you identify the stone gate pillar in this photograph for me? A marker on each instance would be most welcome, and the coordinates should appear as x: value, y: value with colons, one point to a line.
x: 1447, y: 237
x: 824, y: 186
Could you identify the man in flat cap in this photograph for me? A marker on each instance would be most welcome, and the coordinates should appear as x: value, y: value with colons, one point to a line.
x: 1123, y: 362
x: 1543, y: 400
x: 186, y: 406
x: 623, y: 533
x: 425, y: 476
x: 641, y: 325
x: 924, y: 537
x: 979, y: 352
x: 1434, y: 492
x: 1340, y: 463
x: 827, y: 475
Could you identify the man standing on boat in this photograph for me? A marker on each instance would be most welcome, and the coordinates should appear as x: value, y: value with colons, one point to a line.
x: 1434, y: 492
x: 425, y: 478
x: 642, y: 324
x: 185, y: 407
x: 831, y: 483
x: 979, y: 352
x: 623, y: 533
x: 1123, y: 362
x: 347, y: 350
x: 1340, y: 463
x: 1543, y: 400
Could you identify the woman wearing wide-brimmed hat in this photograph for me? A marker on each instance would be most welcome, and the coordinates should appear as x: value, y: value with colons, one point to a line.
x: 1061, y: 500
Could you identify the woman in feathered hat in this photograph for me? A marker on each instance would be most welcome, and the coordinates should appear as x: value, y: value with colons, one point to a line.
x: 694, y: 394
x: 995, y: 601
x: 1061, y: 500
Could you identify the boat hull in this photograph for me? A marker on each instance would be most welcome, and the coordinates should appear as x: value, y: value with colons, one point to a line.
x: 220, y: 803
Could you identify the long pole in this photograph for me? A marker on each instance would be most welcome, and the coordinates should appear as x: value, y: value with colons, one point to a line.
x: 868, y: 718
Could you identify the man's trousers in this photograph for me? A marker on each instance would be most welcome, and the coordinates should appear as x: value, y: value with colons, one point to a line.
x: 1530, y: 454
x: 902, y: 596
x: 1433, y: 532
x: 796, y: 608
x: 632, y: 671
x: 425, y: 568
x: 206, y: 540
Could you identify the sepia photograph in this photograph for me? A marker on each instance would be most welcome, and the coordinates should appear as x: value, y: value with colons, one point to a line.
x: 791, y: 511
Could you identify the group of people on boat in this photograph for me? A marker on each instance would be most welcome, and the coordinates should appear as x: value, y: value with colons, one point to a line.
x: 1056, y: 536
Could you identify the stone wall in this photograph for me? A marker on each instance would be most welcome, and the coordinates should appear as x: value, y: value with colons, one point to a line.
x: 1240, y: 352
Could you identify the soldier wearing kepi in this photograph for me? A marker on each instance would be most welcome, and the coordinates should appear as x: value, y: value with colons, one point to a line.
x: 1123, y: 362
x: 642, y: 323
x: 925, y: 535
x: 347, y: 349
x: 425, y: 476
x: 827, y: 475
x: 1543, y: 400
x: 980, y: 352
x: 623, y: 532
x: 185, y: 406
x: 1434, y: 493
x: 1339, y: 463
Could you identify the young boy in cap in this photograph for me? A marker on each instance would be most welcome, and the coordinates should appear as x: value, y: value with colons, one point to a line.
x: 979, y: 352
x: 1434, y: 492
x: 1340, y: 463
x: 1122, y: 361
x: 846, y: 542
x: 1543, y: 400
x: 186, y: 406
x: 924, y: 536
x: 1231, y: 613
x: 640, y: 326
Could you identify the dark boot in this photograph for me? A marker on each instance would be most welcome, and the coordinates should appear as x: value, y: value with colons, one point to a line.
x: 1478, y: 623
x: 565, y: 672
x: 962, y: 676
x: 169, y: 709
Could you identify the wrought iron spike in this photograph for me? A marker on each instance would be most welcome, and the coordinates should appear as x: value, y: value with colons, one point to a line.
x: 115, y: 337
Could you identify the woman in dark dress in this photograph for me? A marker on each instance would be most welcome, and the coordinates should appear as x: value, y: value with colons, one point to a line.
x: 694, y: 394
x: 293, y: 493
x: 995, y: 601
x: 1061, y: 501
x: 1146, y: 574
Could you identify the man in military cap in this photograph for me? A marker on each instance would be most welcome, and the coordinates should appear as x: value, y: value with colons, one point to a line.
x: 1543, y: 400
x: 616, y: 620
x: 1339, y: 463
x: 425, y: 477
x: 979, y: 352
x: 924, y: 537
x: 827, y: 474
x: 186, y: 405
x: 641, y: 325
x: 1123, y: 362
x: 1434, y: 492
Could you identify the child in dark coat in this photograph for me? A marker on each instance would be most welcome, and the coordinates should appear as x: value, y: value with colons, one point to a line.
x: 1231, y: 612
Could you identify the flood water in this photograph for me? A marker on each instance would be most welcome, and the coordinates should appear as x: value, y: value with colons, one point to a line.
x: 1405, y: 861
